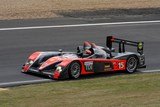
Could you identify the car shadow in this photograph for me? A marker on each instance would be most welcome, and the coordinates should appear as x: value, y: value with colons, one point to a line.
x: 107, y: 74
x: 90, y: 76
x: 101, y: 75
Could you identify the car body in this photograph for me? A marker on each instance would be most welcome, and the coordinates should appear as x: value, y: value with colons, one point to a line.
x: 89, y: 59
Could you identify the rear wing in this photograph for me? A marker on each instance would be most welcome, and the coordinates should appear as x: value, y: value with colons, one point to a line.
x: 122, y: 43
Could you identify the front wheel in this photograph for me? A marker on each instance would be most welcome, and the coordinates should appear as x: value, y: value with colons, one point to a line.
x: 132, y: 63
x: 75, y: 70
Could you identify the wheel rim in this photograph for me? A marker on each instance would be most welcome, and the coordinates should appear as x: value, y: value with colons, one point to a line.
x: 131, y: 64
x: 75, y: 70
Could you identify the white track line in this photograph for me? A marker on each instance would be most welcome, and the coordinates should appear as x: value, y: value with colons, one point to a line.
x: 79, y: 25
x: 156, y: 70
x: 6, y: 84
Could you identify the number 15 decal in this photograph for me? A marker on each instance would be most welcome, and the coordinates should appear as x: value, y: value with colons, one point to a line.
x: 121, y: 65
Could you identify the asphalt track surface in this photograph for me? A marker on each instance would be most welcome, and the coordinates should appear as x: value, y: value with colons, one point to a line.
x: 17, y: 45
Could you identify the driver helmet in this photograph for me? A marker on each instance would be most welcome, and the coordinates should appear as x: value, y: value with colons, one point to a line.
x: 86, y: 47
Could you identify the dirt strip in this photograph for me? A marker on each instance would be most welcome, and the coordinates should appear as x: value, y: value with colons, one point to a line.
x: 29, y: 9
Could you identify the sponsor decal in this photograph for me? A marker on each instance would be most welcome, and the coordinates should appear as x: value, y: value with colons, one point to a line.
x: 107, y: 67
x: 88, y: 65
x: 121, y: 65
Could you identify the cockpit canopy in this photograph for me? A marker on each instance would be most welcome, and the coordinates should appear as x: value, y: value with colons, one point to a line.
x: 91, y: 50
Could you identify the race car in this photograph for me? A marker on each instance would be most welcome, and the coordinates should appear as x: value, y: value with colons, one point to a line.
x: 88, y: 59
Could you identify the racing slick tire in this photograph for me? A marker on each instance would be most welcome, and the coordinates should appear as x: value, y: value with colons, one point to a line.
x: 75, y: 70
x: 131, y: 64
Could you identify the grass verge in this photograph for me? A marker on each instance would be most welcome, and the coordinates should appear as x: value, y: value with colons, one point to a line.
x: 113, y: 91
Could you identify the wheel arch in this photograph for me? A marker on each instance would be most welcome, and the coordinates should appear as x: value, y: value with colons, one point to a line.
x: 136, y: 56
x: 69, y: 65
x: 75, y: 61
x: 128, y: 58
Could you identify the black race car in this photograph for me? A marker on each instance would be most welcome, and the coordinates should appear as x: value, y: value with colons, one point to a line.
x: 89, y: 59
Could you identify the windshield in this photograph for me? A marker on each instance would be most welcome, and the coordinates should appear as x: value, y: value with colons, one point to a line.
x: 69, y: 56
x: 91, y: 50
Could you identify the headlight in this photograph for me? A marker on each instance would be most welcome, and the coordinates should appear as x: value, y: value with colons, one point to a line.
x: 30, y: 62
x: 59, y: 69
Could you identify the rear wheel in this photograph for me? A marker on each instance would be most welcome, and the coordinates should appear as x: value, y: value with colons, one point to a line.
x: 75, y: 70
x: 132, y: 63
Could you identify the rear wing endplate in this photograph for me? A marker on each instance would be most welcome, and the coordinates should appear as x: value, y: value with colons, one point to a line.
x: 122, y: 43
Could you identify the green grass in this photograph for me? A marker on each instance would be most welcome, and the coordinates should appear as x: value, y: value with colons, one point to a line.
x: 136, y: 90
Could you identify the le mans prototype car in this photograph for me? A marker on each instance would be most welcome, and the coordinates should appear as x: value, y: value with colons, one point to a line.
x: 89, y: 59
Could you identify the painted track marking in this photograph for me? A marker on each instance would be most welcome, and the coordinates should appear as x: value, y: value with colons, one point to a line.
x: 4, y: 89
x: 79, y: 25
x: 155, y: 70
x: 16, y: 83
